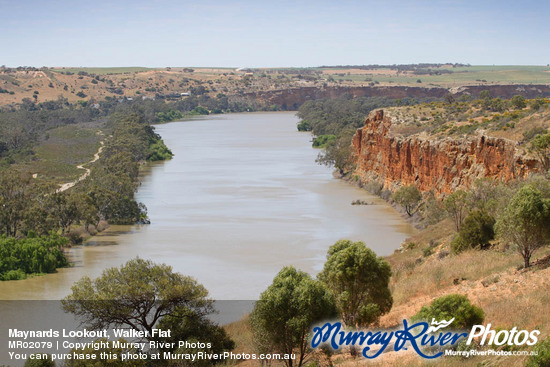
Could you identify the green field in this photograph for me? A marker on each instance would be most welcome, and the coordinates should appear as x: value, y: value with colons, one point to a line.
x: 478, y: 74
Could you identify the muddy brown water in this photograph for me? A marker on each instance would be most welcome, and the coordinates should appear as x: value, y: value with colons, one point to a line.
x: 241, y: 198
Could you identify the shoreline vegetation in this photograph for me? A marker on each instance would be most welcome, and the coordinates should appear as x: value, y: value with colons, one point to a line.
x: 36, y: 136
x: 488, y: 241
x: 466, y: 250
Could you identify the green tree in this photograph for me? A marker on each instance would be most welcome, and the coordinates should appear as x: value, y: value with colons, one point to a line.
x: 15, y: 199
x: 518, y: 102
x: 525, y: 223
x: 39, y: 360
x: 498, y: 105
x: 188, y: 325
x: 136, y: 295
x: 542, y: 358
x: 485, y: 94
x: 64, y: 208
x: 476, y: 232
x: 486, y: 98
x: 456, y: 206
x: 359, y: 281
x: 338, y: 154
x: 286, y: 311
x: 115, y: 359
x: 458, y: 306
x: 541, y: 146
x: 31, y: 255
x: 304, y: 125
x: 449, y: 98
x: 408, y: 197
x: 537, y: 104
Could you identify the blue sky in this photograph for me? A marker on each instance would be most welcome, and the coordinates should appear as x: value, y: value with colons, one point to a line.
x: 246, y: 33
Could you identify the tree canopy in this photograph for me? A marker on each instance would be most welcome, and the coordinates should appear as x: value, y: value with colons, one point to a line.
x: 408, y: 197
x: 287, y: 309
x: 525, y: 223
x: 476, y: 231
x: 457, y: 207
x: 359, y: 281
x: 541, y: 146
x: 136, y: 295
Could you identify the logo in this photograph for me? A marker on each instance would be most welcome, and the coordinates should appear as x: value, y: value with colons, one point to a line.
x: 439, y: 325
x: 418, y: 336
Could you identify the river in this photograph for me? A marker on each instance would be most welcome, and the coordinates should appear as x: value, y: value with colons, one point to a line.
x: 241, y: 198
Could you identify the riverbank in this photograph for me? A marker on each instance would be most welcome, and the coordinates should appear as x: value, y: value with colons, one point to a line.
x: 243, y: 195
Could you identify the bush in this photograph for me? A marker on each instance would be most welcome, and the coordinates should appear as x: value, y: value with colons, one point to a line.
x: 14, y: 275
x: 458, y: 306
x: 75, y: 238
x: 171, y: 115
x: 476, y: 232
x: 458, y: 244
x: 158, y: 151
x: 529, y: 134
x: 518, y: 102
x: 40, y: 362
x: 304, y: 125
x: 542, y: 359
x: 322, y: 140
x: 199, y: 110
x: 31, y: 255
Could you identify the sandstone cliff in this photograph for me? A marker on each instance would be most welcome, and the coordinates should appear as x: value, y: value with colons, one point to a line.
x: 442, y: 165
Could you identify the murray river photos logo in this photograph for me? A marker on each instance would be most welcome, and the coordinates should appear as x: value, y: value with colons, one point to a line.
x: 418, y: 336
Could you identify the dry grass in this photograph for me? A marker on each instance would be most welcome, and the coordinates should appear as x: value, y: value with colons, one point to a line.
x: 490, y: 279
x: 241, y: 333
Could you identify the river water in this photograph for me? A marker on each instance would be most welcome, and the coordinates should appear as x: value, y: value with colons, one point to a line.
x: 241, y: 198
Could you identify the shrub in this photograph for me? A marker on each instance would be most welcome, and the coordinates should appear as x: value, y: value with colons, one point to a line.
x: 322, y: 140
x: 458, y: 306
x: 40, y: 361
x: 158, y: 151
x: 31, y: 255
x: 476, y: 232
x: 518, y: 102
x: 427, y: 251
x: 75, y: 238
x: 458, y: 244
x: 199, y: 110
x: 304, y: 125
x: 13, y: 275
x: 529, y: 134
x: 542, y: 359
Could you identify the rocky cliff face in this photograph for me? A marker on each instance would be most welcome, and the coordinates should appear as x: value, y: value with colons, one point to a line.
x: 442, y: 165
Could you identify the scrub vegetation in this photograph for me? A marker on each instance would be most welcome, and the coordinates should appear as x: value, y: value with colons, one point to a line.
x: 483, y: 249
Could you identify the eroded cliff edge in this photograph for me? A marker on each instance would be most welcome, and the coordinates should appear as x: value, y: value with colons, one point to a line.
x: 439, y: 164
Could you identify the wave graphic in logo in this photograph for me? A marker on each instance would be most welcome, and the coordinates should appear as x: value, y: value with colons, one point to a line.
x: 439, y: 325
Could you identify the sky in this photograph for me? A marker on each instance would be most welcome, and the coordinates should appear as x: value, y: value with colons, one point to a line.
x: 276, y: 33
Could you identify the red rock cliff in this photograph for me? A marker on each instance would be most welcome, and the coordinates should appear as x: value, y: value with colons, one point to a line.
x: 442, y: 165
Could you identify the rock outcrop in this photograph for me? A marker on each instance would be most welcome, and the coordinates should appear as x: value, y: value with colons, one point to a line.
x: 442, y: 165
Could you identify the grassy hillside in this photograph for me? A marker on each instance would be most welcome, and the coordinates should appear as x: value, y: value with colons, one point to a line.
x: 87, y: 84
